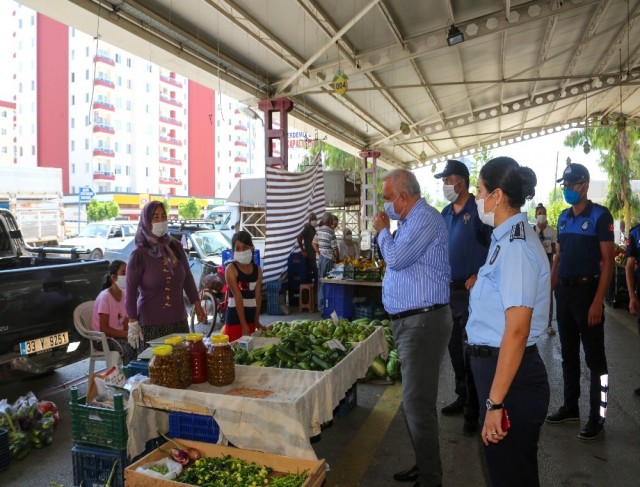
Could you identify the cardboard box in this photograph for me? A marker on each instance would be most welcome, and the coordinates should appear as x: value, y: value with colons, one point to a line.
x: 315, y: 468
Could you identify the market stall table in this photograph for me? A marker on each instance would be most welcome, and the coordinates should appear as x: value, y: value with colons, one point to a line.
x: 297, y: 403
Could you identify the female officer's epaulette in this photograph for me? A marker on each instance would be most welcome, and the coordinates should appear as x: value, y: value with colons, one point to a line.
x: 517, y: 232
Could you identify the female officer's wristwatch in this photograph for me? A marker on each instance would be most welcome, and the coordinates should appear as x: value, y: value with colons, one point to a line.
x: 492, y: 406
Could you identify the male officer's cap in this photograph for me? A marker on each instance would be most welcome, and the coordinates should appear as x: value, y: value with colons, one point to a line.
x: 574, y: 173
x: 453, y: 167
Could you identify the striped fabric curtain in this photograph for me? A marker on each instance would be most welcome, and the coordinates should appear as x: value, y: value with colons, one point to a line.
x: 290, y: 197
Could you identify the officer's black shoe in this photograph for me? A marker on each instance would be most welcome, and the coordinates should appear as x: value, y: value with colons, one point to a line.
x: 409, y: 475
x: 591, y: 431
x: 563, y: 415
x: 470, y: 427
x: 455, y: 408
x: 637, y: 391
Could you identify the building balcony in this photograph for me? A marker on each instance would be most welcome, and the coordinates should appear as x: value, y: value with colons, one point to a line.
x: 240, y: 127
x: 170, y: 81
x: 104, y: 176
x: 104, y: 59
x: 169, y: 180
x: 171, y: 121
x: 239, y: 159
x: 170, y: 101
x: 103, y: 128
x: 104, y: 82
x: 170, y: 160
x: 170, y: 141
x: 104, y: 152
x: 103, y: 105
x: 240, y: 143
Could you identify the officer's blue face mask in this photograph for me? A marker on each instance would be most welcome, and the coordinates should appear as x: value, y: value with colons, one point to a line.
x: 390, y: 210
x: 571, y: 196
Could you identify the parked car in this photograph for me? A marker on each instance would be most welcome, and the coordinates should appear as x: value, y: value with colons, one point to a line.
x: 39, y: 289
x: 97, y: 236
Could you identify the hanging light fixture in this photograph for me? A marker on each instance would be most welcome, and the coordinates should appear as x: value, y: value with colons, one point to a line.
x: 404, y: 128
x: 455, y: 36
x: 586, y: 147
x: 423, y: 156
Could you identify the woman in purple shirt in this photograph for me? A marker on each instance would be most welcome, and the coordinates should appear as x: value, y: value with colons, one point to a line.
x: 157, y: 274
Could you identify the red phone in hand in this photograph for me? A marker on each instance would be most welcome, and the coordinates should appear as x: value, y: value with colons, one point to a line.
x: 506, y: 424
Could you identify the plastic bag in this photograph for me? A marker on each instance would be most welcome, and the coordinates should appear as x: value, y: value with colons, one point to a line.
x: 157, y: 469
x: 26, y: 411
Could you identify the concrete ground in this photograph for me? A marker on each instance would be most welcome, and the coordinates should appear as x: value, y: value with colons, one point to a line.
x: 365, y: 447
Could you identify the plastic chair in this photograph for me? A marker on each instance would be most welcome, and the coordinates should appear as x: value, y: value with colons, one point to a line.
x: 82, y: 316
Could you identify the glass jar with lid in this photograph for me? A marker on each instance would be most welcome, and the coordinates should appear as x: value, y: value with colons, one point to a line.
x: 220, y: 365
x: 162, y: 370
x: 181, y: 360
x: 198, y: 358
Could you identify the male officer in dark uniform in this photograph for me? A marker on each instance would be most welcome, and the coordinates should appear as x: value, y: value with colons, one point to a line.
x: 633, y: 254
x: 580, y: 276
x: 469, y: 241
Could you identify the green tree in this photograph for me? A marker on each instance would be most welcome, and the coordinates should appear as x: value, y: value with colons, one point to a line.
x: 101, y: 210
x: 619, y: 153
x: 189, y: 209
x: 480, y: 158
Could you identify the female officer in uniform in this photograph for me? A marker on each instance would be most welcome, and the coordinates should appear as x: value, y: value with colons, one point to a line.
x: 509, y: 307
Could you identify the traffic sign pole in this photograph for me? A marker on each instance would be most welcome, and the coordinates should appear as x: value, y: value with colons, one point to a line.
x: 85, y: 195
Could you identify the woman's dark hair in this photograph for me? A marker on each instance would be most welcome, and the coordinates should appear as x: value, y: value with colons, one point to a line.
x: 113, y: 270
x: 540, y: 207
x: 516, y: 181
x: 242, y: 236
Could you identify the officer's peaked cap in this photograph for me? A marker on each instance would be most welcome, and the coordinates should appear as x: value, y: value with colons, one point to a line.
x: 574, y: 173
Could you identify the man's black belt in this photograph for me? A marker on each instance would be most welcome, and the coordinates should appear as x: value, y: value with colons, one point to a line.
x: 487, y: 351
x: 578, y: 281
x: 458, y: 285
x: 413, y: 312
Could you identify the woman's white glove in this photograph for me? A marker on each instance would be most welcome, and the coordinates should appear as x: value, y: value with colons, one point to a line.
x: 134, y: 336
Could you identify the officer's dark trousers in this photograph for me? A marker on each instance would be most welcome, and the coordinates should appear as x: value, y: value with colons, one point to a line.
x: 573, y: 304
x: 465, y: 387
x: 514, y: 460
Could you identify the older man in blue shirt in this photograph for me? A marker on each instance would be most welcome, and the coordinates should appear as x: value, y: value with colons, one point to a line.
x: 415, y: 293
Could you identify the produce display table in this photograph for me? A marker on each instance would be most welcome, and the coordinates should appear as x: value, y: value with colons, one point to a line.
x: 299, y: 402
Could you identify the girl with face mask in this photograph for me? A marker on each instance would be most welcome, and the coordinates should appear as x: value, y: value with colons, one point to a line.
x: 244, y: 279
x: 109, y: 315
x: 158, y: 275
x: 548, y: 239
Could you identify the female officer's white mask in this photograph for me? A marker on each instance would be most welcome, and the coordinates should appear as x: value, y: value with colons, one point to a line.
x: 486, y: 217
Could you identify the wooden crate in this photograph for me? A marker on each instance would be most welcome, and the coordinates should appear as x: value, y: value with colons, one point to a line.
x: 315, y: 468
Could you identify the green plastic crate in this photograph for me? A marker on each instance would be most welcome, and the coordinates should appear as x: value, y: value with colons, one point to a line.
x: 103, y: 427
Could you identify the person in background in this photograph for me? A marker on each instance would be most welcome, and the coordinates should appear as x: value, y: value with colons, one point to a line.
x: 347, y: 248
x: 469, y: 242
x: 632, y: 253
x: 244, y: 278
x: 509, y: 305
x: 305, y: 240
x: 109, y: 315
x: 547, y: 236
x: 326, y: 246
x: 157, y: 275
x: 581, y: 275
x: 415, y: 293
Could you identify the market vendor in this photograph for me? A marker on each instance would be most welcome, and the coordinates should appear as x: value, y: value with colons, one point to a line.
x: 347, y: 247
x: 244, y: 278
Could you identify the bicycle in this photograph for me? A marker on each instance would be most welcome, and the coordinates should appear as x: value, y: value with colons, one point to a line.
x: 213, y: 299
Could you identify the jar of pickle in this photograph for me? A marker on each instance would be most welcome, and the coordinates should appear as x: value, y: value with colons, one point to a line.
x: 198, y: 358
x: 181, y: 360
x: 220, y: 366
x: 162, y: 370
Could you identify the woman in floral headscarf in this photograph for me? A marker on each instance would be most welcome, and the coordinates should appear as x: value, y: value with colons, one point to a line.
x: 157, y: 274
